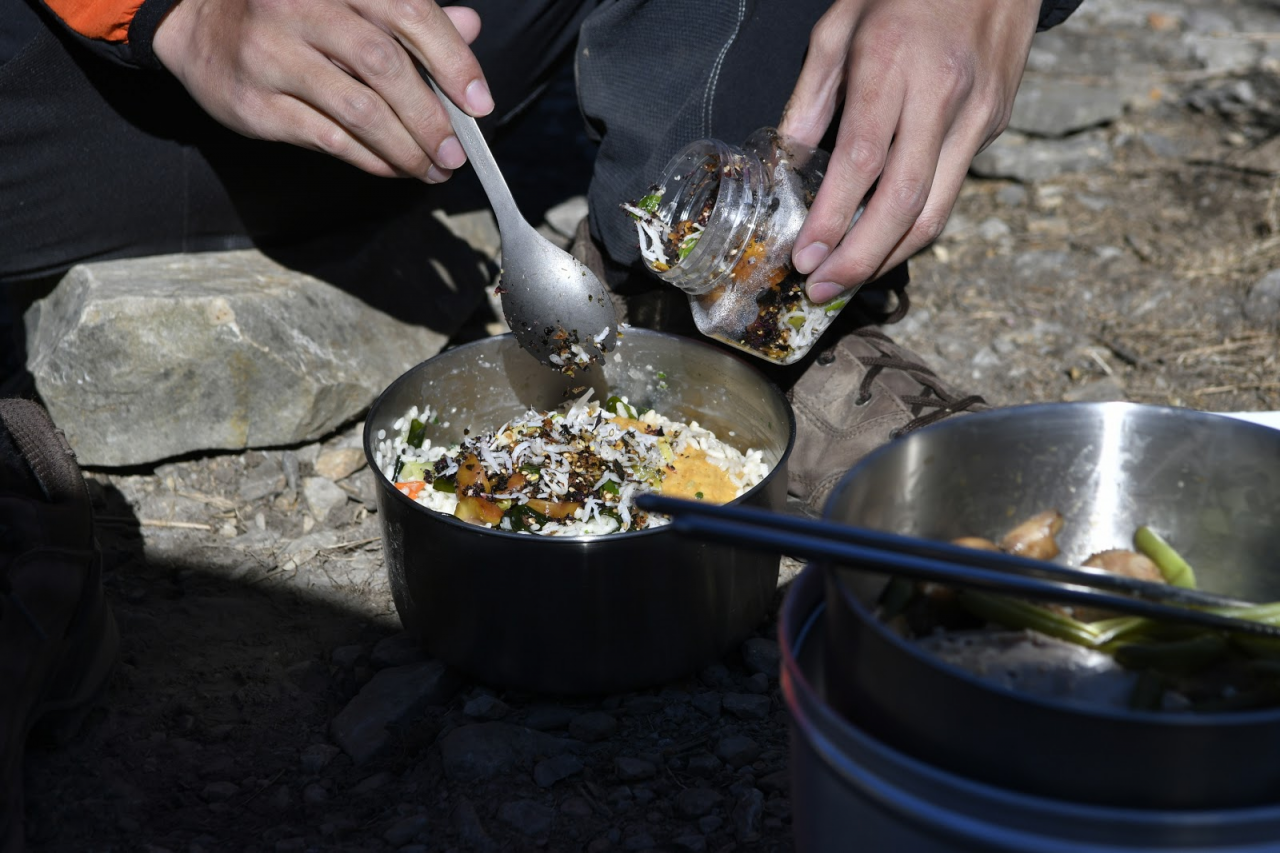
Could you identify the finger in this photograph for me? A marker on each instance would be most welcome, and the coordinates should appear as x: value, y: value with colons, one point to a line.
x: 413, y: 115
x: 953, y: 169
x: 361, y: 112
x: 430, y: 35
x: 893, y: 209
x: 867, y: 125
x: 299, y: 123
x: 814, y: 100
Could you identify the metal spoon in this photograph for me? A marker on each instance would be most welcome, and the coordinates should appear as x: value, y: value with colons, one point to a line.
x: 556, y: 307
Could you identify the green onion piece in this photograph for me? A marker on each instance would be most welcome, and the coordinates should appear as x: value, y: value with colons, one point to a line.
x: 445, y: 484
x: 686, y: 246
x: 609, y: 486
x: 698, y: 495
x: 795, y: 322
x: 611, y: 406
x: 1189, y: 655
x: 530, y: 470
x: 1175, y: 569
x: 1015, y: 613
x: 650, y: 202
x: 395, y: 474
x: 522, y: 517
x: 417, y: 433
x: 833, y: 307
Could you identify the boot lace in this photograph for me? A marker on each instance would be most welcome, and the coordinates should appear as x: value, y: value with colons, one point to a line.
x: 931, y: 406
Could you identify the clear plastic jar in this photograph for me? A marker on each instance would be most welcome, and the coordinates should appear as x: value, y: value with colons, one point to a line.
x: 720, y: 225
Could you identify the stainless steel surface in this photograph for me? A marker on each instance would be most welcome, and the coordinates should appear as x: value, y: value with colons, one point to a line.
x: 851, y: 791
x: 941, y: 562
x: 549, y: 297
x: 1209, y: 484
x: 580, y: 614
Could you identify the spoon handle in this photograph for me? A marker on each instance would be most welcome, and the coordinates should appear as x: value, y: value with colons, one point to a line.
x: 486, y: 168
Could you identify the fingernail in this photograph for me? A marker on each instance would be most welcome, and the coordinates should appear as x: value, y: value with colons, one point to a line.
x: 436, y: 175
x: 450, y: 154
x: 478, y: 98
x: 807, y: 259
x: 823, y: 291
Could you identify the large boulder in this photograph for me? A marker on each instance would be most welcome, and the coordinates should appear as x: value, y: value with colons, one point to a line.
x: 145, y: 359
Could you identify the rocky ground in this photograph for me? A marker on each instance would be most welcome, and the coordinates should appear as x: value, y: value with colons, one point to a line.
x: 1122, y: 241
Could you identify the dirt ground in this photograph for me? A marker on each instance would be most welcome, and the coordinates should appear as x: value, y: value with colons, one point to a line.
x: 248, y: 623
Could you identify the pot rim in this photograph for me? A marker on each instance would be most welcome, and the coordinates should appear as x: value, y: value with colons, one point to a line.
x: 1267, y: 716
x: 579, y: 539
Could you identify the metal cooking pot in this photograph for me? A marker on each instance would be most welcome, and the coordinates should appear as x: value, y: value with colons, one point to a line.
x: 1211, y: 484
x: 584, y: 614
x: 851, y: 791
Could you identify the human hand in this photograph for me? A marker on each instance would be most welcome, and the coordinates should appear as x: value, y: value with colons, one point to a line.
x: 926, y: 85
x: 336, y: 76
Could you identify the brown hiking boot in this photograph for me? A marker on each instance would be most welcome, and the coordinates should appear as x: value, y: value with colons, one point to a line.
x: 860, y: 393
x: 58, y: 640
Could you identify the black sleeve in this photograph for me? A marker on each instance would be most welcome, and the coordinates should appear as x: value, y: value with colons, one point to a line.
x: 1054, y: 12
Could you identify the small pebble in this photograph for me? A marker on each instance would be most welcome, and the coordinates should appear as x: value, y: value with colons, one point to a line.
x: 593, y: 726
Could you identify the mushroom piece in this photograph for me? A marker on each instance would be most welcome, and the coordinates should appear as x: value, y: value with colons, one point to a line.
x: 1034, y: 537
x: 1130, y: 564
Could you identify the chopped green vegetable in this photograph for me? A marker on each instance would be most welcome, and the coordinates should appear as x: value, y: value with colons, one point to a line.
x: 1015, y: 613
x: 1174, y: 656
x: 533, y: 472
x: 417, y: 433
x: 445, y: 484
x: 609, y: 486
x: 687, y: 245
x: 1176, y: 570
x: 650, y: 203
x: 522, y: 517
x: 833, y: 307
x: 611, y: 406
x: 412, y: 470
x: 698, y: 495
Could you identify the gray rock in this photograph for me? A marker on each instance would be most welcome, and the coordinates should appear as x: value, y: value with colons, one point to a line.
x: 315, y: 794
x: 397, y: 650
x: 346, y: 656
x: 779, y: 782
x: 486, y: 707
x: 392, y: 696
x: 338, y: 463
x: 576, y: 807
x: 405, y: 830
x: 323, y: 496
x: 1026, y: 159
x: 369, y: 784
x: 633, y: 769
x: 639, y: 841
x: 708, y: 703
x: 526, y: 816
x: 693, y: 843
x: 139, y: 360
x: 695, y: 802
x: 746, y: 706
x: 469, y: 827
x: 761, y: 654
x: 486, y: 750
x: 993, y: 228
x: 550, y: 771
x: 1223, y: 53
x: 1262, y: 304
x: 639, y: 706
x: 593, y: 726
x: 737, y: 750
x: 1012, y: 195
x: 1057, y: 106
x: 704, y: 764
x: 566, y: 215
x: 746, y: 816
x: 716, y: 676
x: 317, y: 757
x: 547, y: 717
x: 710, y: 823
x: 757, y: 683
x: 219, y: 792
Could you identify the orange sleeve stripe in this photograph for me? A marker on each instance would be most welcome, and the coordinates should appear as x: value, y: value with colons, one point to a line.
x: 97, y: 19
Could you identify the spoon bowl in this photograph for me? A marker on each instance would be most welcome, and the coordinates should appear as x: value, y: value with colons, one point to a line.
x: 556, y: 307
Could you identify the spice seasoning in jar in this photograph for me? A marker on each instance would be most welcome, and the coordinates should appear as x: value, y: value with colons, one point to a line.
x: 720, y: 225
